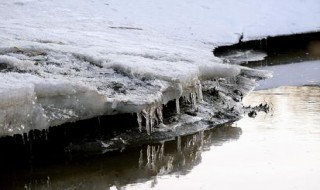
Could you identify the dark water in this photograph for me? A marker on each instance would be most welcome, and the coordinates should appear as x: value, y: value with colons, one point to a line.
x: 141, y: 165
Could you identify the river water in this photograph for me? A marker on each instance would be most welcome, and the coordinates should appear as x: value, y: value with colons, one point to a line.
x: 275, y: 150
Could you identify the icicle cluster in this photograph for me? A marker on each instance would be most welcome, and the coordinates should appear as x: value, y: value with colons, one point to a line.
x: 178, y: 106
x: 152, y: 116
x: 154, y: 158
x: 195, y: 93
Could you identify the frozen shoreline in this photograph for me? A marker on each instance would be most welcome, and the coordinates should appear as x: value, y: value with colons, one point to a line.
x: 63, y: 62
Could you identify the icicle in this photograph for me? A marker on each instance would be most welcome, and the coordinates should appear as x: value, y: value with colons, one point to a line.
x: 146, y: 115
x: 187, y: 99
x: 159, y: 113
x: 148, y: 125
x: 195, y: 140
x: 177, y: 106
x: 194, y: 99
x: 199, y: 93
x: 139, y: 119
x: 152, y: 116
x: 114, y: 104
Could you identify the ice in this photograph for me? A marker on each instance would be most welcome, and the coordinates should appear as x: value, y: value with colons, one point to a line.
x: 239, y: 57
x: 199, y: 91
x: 177, y: 106
x: 139, y: 119
x: 159, y: 114
x: 193, y: 96
x: 64, y: 61
x: 147, y: 118
x: 153, y: 117
x: 149, y: 156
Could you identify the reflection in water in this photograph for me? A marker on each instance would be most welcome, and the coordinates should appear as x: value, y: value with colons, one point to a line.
x: 277, y: 150
x: 116, y: 170
x: 293, y: 107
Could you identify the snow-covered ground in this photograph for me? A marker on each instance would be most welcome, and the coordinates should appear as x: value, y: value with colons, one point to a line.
x: 63, y: 61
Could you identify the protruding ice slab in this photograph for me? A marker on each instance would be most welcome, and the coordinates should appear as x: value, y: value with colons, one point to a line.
x: 67, y: 61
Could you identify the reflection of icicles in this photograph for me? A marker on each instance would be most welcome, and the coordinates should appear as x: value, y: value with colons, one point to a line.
x: 141, y: 159
x: 177, y: 106
x: 179, y: 144
x: 194, y: 140
x: 161, y: 154
x: 139, y: 119
x: 170, y: 164
x: 148, y: 156
x: 154, y: 181
x: 153, y: 158
x: 201, y: 138
x: 152, y: 154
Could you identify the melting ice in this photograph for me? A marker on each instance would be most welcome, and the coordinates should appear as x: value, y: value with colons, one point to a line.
x: 93, y: 59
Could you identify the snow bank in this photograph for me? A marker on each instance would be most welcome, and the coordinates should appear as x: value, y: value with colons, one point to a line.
x: 62, y: 61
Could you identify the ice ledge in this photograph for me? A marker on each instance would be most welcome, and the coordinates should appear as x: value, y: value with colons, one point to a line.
x: 77, y: 62
x: 40, y: 96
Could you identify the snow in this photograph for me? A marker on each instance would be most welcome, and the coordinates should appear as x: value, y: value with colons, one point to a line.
x: 62, y: 61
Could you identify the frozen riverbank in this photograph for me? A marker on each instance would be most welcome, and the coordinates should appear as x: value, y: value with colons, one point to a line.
x: 67, y: 61
x: 287, y: 136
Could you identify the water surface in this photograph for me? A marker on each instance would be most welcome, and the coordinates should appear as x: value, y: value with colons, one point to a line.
x: 277, y: 150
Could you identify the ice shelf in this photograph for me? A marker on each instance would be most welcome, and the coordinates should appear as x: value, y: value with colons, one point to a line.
x: 67, y: 61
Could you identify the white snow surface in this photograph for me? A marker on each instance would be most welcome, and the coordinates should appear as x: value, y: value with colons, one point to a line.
x: 62, y: 61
